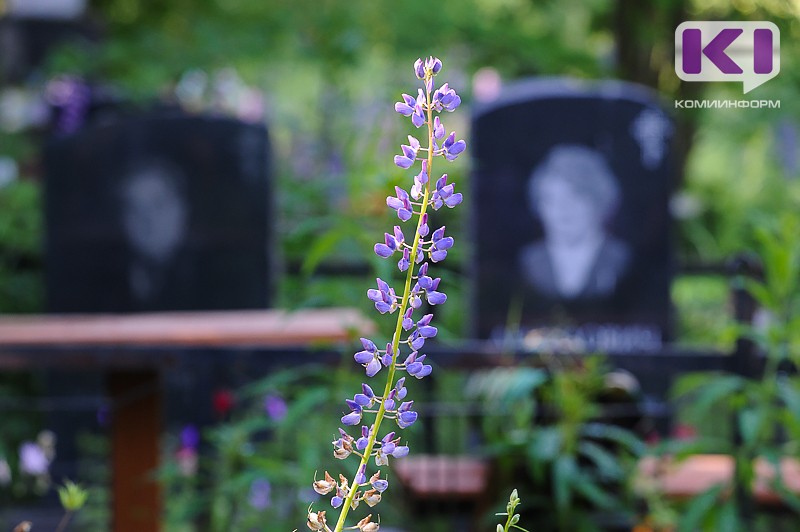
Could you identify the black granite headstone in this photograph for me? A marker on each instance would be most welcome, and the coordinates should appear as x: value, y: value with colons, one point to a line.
x: 570, y: 198
x: 159, y: 212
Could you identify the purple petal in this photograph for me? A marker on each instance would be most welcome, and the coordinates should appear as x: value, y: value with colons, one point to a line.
x: 403, y: 264
x: 366, y: 390
x: 418, y: 342
x: 394, y: 203
x: 373, y: 367
x: 406, y: 419
x: 361, y: 399
x: 419, y: 69
x: 364, y: 357
x: 425, y: 320
x: 380, y: 485
x: 403, y: 108
x: 445, y: 243
x: 436, y: 298
x: 353, y: 418
x: 425, y: 282
x: 382, y: 250
x: 400, y: 451
x: 453, y: 200
x: 428, y: 331
x: 458, y: 147
x: 369, y: 345
x: 374, y: 295
x: 424, y: 372
x: 360, y: 476
x: 336, y: 501
x: 438, y: 128
x: 403, y: 162
x: 417, y: 119
x: 438, y: 256
x: 414, y: 368
x: 404, y: 214
x: 398, y: 235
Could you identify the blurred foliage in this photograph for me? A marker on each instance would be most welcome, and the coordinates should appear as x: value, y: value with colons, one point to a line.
x: 764, y: 407
x: 273, y: 450
x: 577, y: 460
x: 21, y: 283
x: 329, y: 72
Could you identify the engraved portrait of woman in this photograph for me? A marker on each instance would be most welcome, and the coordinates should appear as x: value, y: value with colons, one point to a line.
x: 574, y: 194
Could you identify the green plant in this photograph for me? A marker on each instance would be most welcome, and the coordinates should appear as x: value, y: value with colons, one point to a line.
x: 577, y: 464
x: 764, y: 407
x: 512, y: 518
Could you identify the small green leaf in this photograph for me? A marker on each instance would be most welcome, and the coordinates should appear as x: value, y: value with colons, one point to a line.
x: 751, y: 420
x: 698, y: 509
x: 564, y: 470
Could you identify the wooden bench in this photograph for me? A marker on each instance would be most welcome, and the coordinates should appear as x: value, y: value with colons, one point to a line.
x: 692, y: 476
x: 105, y: 342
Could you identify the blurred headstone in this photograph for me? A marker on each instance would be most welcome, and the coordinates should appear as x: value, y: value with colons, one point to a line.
x: 29, y: 31
x: 570, y: 193
x: 159, y: 212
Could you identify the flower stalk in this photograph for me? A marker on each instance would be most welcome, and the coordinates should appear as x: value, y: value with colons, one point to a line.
x: 418, y: 288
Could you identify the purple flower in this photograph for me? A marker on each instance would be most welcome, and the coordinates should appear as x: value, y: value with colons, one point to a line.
x: 400, y: 203
x: 275, y: 407
x: 406, y: 107
x: 387, y: 248
x: 380, y: 485
x: 419, y: 181
x: 446, y: 98
x: 435, y: 298
x: 361, y: 476
x: 452, y: 148
x: 405, y: 416
x: 33, y: 459
x: 373, y: 368
x: 384, y: 297
x: 420, y: 286
x: 354, y: 417
x: 444, y: 194
x: 438, y: 129
x: 433, y: 64
x: 260, y: 494
x: 400, y: 451
x: 190, y: 437
x: 418, y: 118
x: 405, y: 261
x: 419, y: 69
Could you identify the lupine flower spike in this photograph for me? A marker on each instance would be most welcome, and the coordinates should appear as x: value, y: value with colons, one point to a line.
x: 414, y: 248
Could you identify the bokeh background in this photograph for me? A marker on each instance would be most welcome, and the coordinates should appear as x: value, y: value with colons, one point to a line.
x: 323, y: 76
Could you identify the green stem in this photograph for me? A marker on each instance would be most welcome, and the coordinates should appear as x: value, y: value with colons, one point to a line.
x: 398, y: 327
x: 62, y: 525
